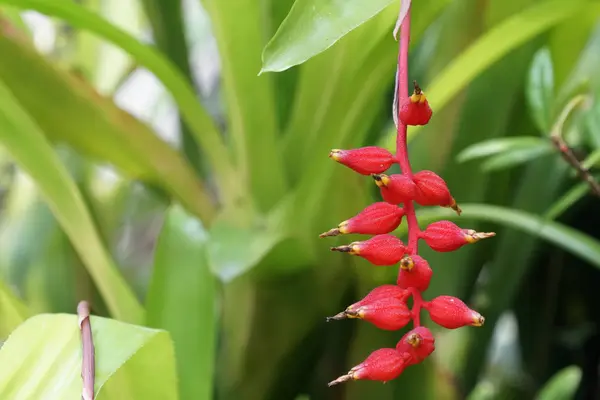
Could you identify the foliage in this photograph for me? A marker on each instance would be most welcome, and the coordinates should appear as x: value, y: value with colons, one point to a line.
x: 210, y: 232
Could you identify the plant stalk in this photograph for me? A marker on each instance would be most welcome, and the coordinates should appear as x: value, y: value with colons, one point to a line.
x: 402, y: 156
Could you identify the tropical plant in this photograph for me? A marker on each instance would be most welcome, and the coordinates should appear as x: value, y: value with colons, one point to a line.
x: 195, y: 237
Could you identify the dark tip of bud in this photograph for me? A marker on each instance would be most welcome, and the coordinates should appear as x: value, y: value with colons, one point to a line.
x: 337, y: 317
x: 417, y: 88
x: 331, y: 232
x: 341, y: 379
x: 455, y: 207
x: 381, y: 180
x: 342, y: 249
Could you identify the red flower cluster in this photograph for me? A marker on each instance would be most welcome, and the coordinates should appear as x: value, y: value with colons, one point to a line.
x: 386, y: 306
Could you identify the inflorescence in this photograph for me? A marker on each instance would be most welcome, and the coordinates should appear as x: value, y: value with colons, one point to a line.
x: 386, y: 306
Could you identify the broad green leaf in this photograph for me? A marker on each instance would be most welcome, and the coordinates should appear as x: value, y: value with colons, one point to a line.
x: 491, y: 47
x: 563, y: 203
x: 199, y: 121
x: 182, y: 300
x: 562, y: 386
x: 42, y: 360
x: 516, y: 157
x: 234, y: 249
x: 69, y: 110
x: 312, y: 26
x: 250, y: 101
x: 498, y: 146
x: 32, y: 152
x: 12, y: 311
x: 560, y: 235
x: 540, y: 89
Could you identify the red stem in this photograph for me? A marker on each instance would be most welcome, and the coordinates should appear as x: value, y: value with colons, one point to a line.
x: 404, y: 162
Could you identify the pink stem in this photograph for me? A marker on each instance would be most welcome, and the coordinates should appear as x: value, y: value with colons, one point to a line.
x: 404, y: 162
x: 401, y: 142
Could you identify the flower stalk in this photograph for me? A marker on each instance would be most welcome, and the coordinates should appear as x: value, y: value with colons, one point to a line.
x: 385, y: 306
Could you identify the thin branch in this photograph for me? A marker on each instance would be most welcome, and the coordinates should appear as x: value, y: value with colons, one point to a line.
x: 88, y: 364
x: 565, y: 151
x: 568, y: 155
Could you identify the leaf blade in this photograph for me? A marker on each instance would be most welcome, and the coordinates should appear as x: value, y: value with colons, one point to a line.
x: 181, y: 282
x: 540, y: 89
x: 560, y: 235
x: 498, y: 145
x: 305, y: 21
x: 23, y: 139
x: 42, y: 359
x: 252, y: 122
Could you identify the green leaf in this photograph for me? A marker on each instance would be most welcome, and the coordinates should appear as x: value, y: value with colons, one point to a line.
x: 166, y: 19
x: 593, y: 160
x: 234, y: 249
x: 498, y: 146
x: 42, y: 360
x: 27, y: 145
x: 250, y: 99
x: 312, y: 26
x: 563, y: 203
x: 12, y: 311
x: 560, y: 235
x: 515, y: 157
x: 69, y: 110
x: 182, y: 298
x: 489, y: 48
x: 194, y: 114
x: 108, y: 64
x: 540, y: 89
x: 562, y: 385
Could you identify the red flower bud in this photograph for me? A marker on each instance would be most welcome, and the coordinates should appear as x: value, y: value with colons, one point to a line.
x: 366, y: 160
x: 376, y: 219
x: 433, y: 191
x: 415, y: 110
x: 384, y: 292
x: 379, y: 250
x: 396, y: 189
x: 385, y: 307
x: 414, y: 272
x: 389, y: 314
x: 451, y: 313
x: 418, y: 343
x: 444, y: 236
x: 381, y: 365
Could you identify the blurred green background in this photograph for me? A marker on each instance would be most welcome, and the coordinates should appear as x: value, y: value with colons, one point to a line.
x: 147, y: 167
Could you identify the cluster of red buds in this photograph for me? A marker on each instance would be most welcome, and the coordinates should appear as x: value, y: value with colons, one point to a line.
x: 386, y: 306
